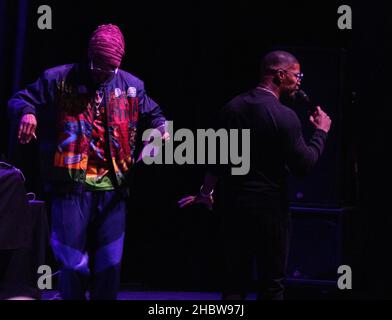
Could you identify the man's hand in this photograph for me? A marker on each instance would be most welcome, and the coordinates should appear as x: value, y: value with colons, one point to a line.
x: 190, y: 200
x: 321, y: 120
x: 166, y: 136
x: 27, y: 127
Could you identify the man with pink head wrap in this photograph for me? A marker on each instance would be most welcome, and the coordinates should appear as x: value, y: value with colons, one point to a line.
x: 107, y: 45
x: 87, y: 154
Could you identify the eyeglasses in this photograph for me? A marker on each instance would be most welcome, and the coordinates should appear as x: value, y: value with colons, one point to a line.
x: 298, y: 75
x: 92, y: 67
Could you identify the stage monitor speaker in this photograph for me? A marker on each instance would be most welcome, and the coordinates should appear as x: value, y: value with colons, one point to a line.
x: 319, y: 243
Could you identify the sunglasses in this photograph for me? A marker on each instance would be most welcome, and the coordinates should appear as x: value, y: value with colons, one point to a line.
x: 98, y: 69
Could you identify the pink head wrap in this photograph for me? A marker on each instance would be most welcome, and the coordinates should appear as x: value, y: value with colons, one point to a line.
x: 107, y: 45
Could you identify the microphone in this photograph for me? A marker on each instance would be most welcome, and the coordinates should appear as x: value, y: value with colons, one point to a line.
x: 303, y: 98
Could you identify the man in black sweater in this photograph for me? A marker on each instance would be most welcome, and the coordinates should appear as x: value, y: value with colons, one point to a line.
x: 255, y: 205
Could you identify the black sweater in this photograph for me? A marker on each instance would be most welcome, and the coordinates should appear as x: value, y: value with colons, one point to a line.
x: 277, y: 147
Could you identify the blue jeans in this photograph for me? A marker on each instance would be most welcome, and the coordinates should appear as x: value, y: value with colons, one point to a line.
x: 88, y: 232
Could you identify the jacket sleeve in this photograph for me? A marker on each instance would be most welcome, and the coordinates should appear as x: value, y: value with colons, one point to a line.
x: 301, y: 156
x: 151, y: 113
x: 29, y: 99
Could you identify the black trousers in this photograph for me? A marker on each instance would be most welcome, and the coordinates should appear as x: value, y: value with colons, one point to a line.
x: 255, y: 234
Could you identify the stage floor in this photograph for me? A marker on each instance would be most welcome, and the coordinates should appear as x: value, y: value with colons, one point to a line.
x: 303, y: 293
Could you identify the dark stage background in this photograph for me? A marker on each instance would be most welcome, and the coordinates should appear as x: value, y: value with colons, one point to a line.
x: 196, y: 55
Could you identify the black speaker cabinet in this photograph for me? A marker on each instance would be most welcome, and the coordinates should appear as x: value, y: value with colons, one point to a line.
x: 321, y: 241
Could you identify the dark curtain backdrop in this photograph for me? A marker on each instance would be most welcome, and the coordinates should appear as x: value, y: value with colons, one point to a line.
x: 194, y: 56
x: 8, y: 46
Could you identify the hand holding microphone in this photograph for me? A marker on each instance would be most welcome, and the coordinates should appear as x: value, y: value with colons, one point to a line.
x: 320, y: 120
x: 316, y: 115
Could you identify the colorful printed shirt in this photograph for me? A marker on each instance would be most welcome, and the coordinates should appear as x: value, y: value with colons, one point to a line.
x: 98, y: 177
x: 62, y: 100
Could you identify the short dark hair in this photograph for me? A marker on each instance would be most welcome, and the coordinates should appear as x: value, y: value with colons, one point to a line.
x: 276, y: 60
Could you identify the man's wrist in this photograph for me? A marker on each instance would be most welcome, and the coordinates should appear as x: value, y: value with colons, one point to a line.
x: 205, y: 193
x: 322, y: 129
x: 27, y: 110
